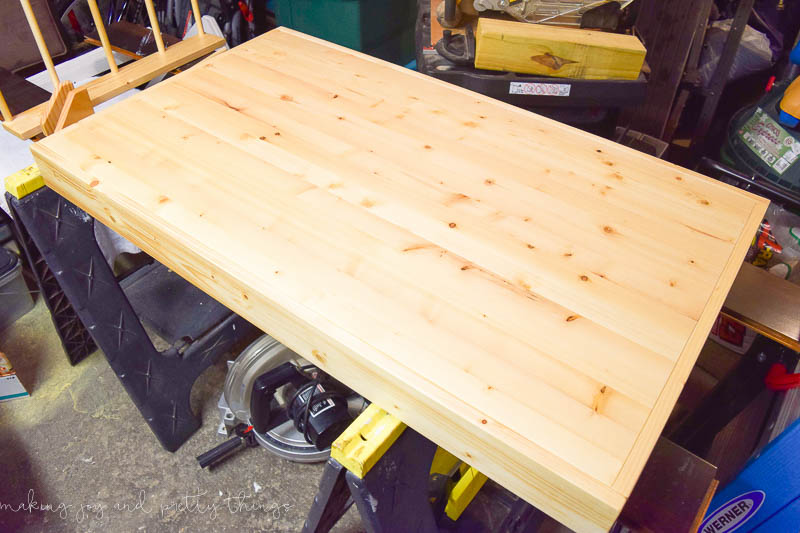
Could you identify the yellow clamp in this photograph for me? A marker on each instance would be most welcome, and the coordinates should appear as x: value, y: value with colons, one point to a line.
x: 24, y: 182
x: 370, y: 435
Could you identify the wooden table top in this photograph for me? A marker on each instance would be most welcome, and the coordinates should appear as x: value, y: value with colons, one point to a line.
x: 529, y: 296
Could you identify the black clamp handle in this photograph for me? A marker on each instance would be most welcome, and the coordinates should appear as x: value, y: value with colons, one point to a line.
x: 245, y: 438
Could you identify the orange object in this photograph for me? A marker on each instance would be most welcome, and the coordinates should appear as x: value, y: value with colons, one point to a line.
x: 790, y: 104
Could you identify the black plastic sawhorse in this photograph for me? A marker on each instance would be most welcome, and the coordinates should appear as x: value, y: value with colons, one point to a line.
x: 89, y: 306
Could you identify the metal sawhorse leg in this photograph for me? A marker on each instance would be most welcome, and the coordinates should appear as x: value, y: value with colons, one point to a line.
x: 76, y: 281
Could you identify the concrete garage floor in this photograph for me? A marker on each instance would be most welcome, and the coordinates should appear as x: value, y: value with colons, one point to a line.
x: 79, y: 444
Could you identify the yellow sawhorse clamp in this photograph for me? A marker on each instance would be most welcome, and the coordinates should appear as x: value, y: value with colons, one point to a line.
x: 24, y: 182
x: 371, y: 435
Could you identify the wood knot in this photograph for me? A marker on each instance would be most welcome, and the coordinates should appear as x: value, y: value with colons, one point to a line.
x: 531, y: 246
x: 572, y: 318
x: 320, y: 356
x: 452, y: 224
x: 584, y: 277
x: 551, y: 61
x: 598, y: 400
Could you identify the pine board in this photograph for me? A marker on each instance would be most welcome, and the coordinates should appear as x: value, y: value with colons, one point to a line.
x: 529, y: 296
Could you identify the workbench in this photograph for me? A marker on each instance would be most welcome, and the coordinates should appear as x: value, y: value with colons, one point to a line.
x: 526, y: 295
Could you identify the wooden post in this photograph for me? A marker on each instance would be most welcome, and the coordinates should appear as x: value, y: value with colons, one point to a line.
x: 37, y: 35
x: 4, y: 109
x: 101, y: 31
x: 151, y: 13
x: 198, y: 17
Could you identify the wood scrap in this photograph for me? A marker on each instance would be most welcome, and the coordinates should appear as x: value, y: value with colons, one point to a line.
x: 54, y: 106
x: 76, y: 107
x: 554, y: 51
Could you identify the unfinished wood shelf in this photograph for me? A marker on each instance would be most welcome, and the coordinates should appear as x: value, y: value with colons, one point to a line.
x: 527, y: 295
x: 28, y: 123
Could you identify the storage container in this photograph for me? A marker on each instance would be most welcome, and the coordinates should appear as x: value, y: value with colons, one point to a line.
x: 383, y: 29
x: 15, y: 299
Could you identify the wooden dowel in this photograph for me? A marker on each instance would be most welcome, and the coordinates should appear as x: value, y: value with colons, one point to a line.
x: 198, y: 17
x: 4, y: 109
x: 151, y: 13
x: 37, y: 35
x: 101, y: 31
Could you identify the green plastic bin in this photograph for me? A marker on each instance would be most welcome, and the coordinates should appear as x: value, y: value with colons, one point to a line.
x: 381, y: 28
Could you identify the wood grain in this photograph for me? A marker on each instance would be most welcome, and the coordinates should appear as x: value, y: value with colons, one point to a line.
x: 28, y: 123
x: 5, y: 111
x: 77, y: 107
x: 54, y: 106
x: 668, y: 29
x: 766, y: 303
x: 554, y: 51
x: 672, y: 493
x: 536, y: 315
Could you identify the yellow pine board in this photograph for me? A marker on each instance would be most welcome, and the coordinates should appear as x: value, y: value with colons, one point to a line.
x: 554, y: 51
x: 27, y: 124
x: 536, y: 315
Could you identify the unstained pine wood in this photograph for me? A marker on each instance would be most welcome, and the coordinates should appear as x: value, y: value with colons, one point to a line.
x: 529, y: 296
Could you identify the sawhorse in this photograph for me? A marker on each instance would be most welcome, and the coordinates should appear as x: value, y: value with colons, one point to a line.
x: 399, y: 481
x: 92, y: 309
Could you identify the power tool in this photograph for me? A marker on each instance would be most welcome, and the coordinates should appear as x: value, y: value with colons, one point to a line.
x: 278, y: 400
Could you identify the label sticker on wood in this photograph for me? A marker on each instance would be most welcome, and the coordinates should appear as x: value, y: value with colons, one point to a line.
x: 539, y: 89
